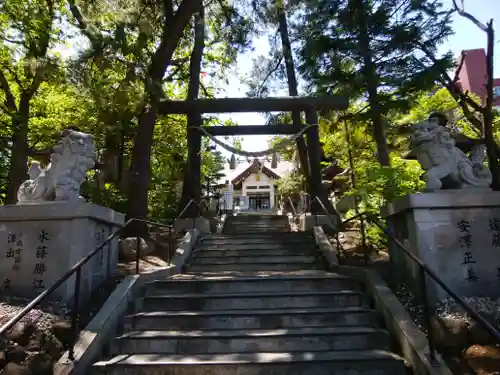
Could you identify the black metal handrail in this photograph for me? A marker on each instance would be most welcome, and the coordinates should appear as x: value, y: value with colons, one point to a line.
x: 77, y: 270
x: 424, y: 270
x: 191, y: 201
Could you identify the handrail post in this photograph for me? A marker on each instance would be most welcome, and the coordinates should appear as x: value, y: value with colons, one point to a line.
x: 74, y: 314
x: 137, y: 254
x: 170, y: 245
x: 337, y: 238
x: 363, y: 240
x: 185, y: 208
x: 427, y: 313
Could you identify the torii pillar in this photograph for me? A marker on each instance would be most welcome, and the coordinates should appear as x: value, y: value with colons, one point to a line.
x: 314, y: 156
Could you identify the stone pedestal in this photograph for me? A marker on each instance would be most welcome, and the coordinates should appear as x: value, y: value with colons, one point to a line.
x: 456, y: 233
x: 42, y: 241
x: 200, y: 223
x: 308, y: 222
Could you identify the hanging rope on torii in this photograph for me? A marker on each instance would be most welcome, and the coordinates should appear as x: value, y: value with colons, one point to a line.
x: 279, y: 146
x: 308, y: 105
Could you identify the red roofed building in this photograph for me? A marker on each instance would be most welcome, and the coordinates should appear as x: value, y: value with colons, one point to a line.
x: 472, y: 76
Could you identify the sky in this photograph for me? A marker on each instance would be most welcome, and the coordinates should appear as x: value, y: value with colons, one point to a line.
x: 467, y: 36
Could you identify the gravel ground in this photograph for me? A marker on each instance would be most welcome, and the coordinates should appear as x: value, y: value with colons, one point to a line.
x: 40, y: 338
x: 42, y: 317
x: 50, y: 311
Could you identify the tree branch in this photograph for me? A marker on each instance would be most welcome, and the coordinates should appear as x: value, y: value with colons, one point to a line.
x: 10, y: 101
x: 41, y: 53
x: 19, y: 42
x: 168, y: 8
x: 450, y: 84
x: 469, y: 16
x: 82, y: 25
x: 13, y: 74
x: 269, y: 73
x: 459, y: 67
x: 205, y: 90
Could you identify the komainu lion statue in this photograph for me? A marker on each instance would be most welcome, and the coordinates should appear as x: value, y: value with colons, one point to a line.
x: 445, y: 165
x: 71, y: 158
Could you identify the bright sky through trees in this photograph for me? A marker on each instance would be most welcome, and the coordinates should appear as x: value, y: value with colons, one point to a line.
x: 467, y: 36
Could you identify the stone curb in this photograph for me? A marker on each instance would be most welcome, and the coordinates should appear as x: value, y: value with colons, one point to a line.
x: 398, y: 321
x: 103, y: 326
x: 325, y: 246
x: 411, y: 340
x: 221, y: 224
x: 184, y: 248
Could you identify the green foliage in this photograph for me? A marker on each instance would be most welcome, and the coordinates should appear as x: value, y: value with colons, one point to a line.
x: 375, y: 185
x: 290, y: 185
x: 333, y: 59
x: 101, y: 87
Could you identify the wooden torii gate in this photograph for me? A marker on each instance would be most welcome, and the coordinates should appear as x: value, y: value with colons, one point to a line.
x: 309, y: 105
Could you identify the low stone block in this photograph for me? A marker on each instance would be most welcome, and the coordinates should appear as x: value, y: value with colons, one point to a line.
x: 184, y: 249
x: 308, y: 222
x: 456, y: 233
x: 325, y: 247
x: 200, y: 223
x: 42, y: 241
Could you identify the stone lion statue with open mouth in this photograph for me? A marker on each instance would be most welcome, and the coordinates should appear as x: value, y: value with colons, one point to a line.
x: 71, y: 158
x: 445, y: 165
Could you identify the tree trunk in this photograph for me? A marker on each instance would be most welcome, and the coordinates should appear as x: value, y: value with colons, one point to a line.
x: 191, y: 188
x: 488, y: 111
x: 18, y: 171
x: 139, y: 166
x: 318, y: 192
x: 293, y: 91
x: 37, y: 50
x: 370, y: 73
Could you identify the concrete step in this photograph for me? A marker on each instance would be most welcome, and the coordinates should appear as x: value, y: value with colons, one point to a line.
x: 368, y: 362
x: 275, y: 221
x: 253, y: 230
x: 251, y: 319
x: 241, y: 217
x: 228, y: 242
x: 296, y: 246
x: 257, y: 225
x: 209, y: 252
x: 250, y: 341
x: 260, y: 224
x: 307, y: 234
x: 282, y: 221
x: 267, y: 300
x: 291, y: 266
x: 252, y: 284
x: 195, y: 260
x: 220, y: 275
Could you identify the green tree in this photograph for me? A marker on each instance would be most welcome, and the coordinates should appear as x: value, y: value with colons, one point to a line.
x: 28, y: 31
x: 279, y: 65
x: 128, y: 72
x: 291, y: 185
x: 368, y: 49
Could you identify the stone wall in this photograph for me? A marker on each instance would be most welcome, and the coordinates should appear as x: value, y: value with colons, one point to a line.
x: 456, y: 233
x: 41, y: 242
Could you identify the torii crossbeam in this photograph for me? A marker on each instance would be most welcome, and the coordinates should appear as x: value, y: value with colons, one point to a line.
x: 309, y: 105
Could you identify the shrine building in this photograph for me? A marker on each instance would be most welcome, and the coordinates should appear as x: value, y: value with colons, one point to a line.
x: 250, y: 184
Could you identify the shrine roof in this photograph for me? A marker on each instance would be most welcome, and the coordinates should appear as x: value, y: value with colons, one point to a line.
x: 244, y: 168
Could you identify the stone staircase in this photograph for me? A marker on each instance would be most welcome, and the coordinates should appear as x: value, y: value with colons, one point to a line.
x: 256, y: 224
x: 252, y: 302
